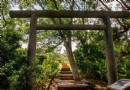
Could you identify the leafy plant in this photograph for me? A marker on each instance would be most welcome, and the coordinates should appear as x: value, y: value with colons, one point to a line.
x: 91, y: 61
x: 45, y: 69
x: 12, y: 59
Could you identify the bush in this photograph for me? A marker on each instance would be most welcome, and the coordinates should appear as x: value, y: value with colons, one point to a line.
x: 91, y: 61
x: 45, y: 69
x: 14, y: 72
x: 12, y: 60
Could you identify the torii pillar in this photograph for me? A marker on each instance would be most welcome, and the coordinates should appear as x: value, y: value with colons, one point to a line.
x: 31, y: 57
x: 111, y: 63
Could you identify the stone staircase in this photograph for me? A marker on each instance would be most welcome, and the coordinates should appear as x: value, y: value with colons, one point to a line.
x: 65, y: 73
x: 66, y: 80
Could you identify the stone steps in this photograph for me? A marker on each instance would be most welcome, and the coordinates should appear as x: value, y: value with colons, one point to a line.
x: 70, y: 85
x: 65, y: 72
x: 71, y: 81
x: 73, y: 87
x: 66, y: 80
x: 66, y: 75
x: 65, y: 69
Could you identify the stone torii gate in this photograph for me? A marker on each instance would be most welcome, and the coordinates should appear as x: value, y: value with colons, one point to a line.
x: 105, y: 15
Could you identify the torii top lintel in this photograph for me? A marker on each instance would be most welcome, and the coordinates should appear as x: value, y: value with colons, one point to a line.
x: 68, y: 14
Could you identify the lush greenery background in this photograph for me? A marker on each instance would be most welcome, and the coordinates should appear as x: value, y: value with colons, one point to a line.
x: 89, y: 55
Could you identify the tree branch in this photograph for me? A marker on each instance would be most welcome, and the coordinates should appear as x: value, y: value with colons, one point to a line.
x: 56, y: 6
x: 128, y: 7
x: 105, y: 5
x: 124, y: 53
x: 53, y: 47
x: 119, y: 22
x: 126, y: 28
x: 121, y: 5
x: 110, y: 10
x: 52, y: 78
x: 40, y: 4
x: 60, y: 22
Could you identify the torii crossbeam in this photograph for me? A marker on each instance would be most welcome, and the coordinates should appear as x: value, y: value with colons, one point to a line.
x: 69, y: 14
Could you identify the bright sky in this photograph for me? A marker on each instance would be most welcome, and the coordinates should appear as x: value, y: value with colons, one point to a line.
x: 25, y: 45
x: 63, y: 48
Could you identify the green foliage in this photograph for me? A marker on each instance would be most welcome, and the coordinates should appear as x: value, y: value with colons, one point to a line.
x: 47, y: 41
x: 122, y: 49
x: 14, y: 71
x: 90, y: 52
x: 91, y: 61
x: 123, y: 67
x: 12, y: 59
x: 9, y: 42
x: 127, y: 21
x: 128, y: 67
x: 46, y: 69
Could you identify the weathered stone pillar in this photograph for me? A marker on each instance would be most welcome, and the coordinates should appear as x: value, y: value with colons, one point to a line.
x: 111, y: 63
x: 31, y: 52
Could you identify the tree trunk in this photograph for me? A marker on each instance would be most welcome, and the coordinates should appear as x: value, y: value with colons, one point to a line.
x: 71, y: 60
x: 31, y: 53
x: 67, y: 43
x: 111, y: 63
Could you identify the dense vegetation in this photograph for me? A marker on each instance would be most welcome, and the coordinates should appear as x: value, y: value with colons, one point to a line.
x: 13, y: 59
x: 90, y: 55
